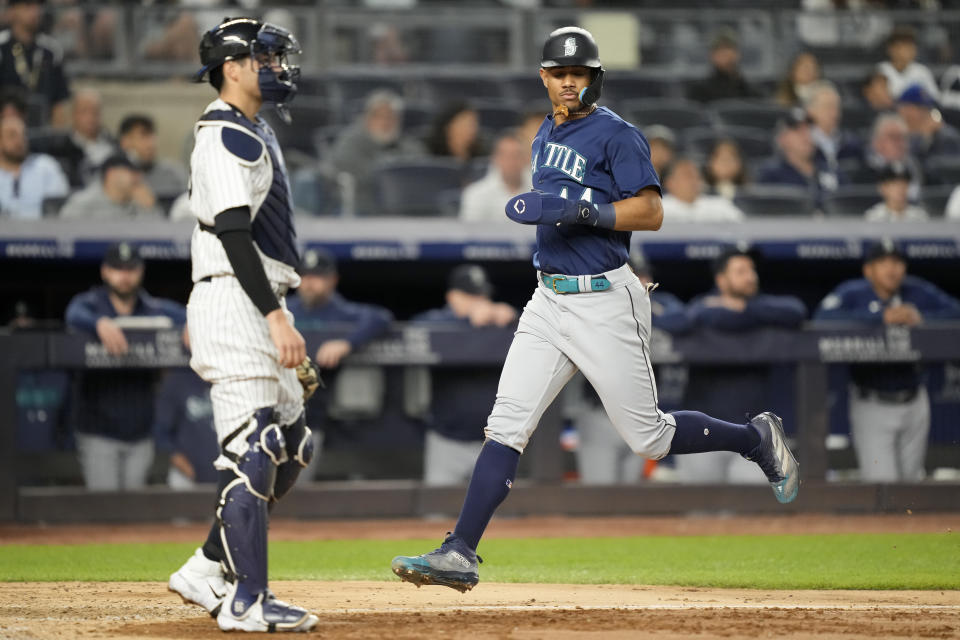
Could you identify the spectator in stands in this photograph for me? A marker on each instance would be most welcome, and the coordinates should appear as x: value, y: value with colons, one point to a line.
x: 724, y: 171
x: 889, y: 143
x: 795, y: 88
x: 508, y: 176
x: 34, y: 61
x: 893, y: 186
x: 115, y: 406
x: 889, y: 406
x: 119, y: 194
x: 26, y: 179
x: 183, y: 429
x: 685, y: 201
x: 318, y: 304
x: 735, y: 305
x: 138, y: 139
x: 375, y: 136
x: 901, y: 67
x: 663, y: 147
x: 725, y: 80
x: 797, y: 162
x: 876, y: 92
x: 929, y: 134
x: 87, y: 132
x: 456, y: 133
x: 823, y: 106
x: 461, y: 396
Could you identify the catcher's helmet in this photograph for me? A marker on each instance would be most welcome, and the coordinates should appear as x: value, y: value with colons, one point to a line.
x: 575, y: 47
x: 236, y: 38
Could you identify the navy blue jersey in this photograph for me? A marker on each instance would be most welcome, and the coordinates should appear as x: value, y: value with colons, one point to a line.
x: 599, y: 158
x: 115, y: 403
x: 183, y: 422
x: 762, y: 310
x: 369, y: 321
x: 460, y: 396
x: 856, y: 301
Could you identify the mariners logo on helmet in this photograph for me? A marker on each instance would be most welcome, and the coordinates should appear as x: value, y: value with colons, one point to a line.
x: 570, y: 47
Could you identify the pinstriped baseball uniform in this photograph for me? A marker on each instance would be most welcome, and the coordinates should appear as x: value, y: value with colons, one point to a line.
x: 237, y: 163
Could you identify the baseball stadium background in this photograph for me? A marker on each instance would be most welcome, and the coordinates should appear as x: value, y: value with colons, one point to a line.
x: 654, y: 557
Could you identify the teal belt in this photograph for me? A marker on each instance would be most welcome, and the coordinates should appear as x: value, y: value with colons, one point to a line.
x: 566, y: 284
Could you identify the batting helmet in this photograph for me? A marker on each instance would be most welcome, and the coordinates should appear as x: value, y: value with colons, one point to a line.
x: 575, y: 47
x: 236, y: 38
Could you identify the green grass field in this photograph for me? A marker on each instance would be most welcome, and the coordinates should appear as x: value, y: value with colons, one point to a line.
x: 872, y: 561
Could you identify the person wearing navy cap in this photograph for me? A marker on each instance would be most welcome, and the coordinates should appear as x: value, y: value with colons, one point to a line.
x: 459, y: 399
x: 797, y: 162
x: 736, y: 304
x: 889, y: 406
x: 929, y: 134
x: 114, y: 407
x: 317, y: 306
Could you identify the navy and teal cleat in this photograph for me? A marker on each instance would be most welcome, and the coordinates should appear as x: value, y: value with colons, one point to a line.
x: 775, y: 458
x: 453, y: 565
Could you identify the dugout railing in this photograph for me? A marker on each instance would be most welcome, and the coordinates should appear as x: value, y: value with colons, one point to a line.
x: 809, y: 350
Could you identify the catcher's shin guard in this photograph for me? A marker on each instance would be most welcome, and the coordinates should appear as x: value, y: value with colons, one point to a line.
x: 256, y: 449
x: 299, y: 454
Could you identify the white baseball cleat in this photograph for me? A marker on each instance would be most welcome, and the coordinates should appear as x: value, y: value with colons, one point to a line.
x: 200, y: 581
x: 263, y: 613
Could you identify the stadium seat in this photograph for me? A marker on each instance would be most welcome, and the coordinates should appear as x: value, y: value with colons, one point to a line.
x: 526, y: 88
x: 418, y: 117
x: 852, y: 200
x: 935, y: 199
x: 676, y: 113
x: 944, y: 169
x: 747, y: 113
x: 497, y: 116
x: 308, y: 115
x: 754, y: 143
x: 620, y: 87
x: 320, y: 192
x: 858, y: 119
x: 774, y: 200
x: 444, y: 90
x: 951, y: 116
x: 50, y: 207
x: 449, y: 202
x: 410, y: 187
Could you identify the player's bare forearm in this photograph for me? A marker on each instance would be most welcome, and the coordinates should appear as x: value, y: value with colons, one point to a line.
x: 642, y: 212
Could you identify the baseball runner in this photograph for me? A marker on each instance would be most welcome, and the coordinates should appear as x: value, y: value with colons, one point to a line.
x: 244, y: 255
x: 594, y: 184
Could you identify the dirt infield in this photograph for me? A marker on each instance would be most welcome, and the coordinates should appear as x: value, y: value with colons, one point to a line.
x: 368, y: 610
x: 373, y: 610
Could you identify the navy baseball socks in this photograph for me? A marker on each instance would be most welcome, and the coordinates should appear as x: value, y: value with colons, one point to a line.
x: 697, y: 432
x: 455, y: 563
x: 761, y: 440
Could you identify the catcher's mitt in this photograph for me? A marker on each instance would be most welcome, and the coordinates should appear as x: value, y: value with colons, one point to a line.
x: 308, y: 373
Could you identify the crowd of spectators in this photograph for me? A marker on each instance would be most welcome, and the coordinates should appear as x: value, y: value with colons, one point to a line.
x: 816, y: 139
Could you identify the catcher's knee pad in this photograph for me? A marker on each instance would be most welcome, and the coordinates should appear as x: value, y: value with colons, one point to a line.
x: 299, y: 453
x: 256, y: 449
